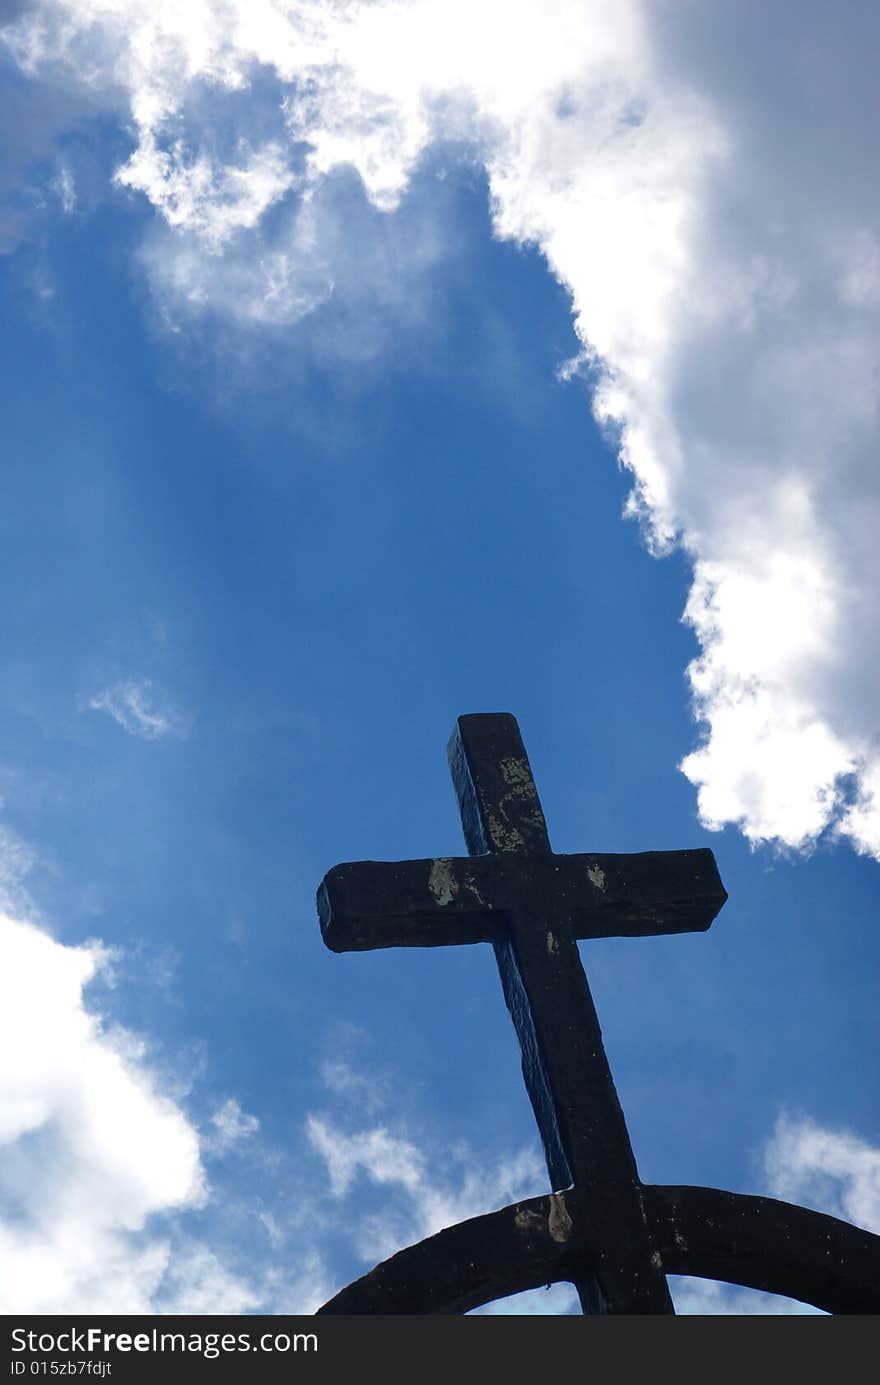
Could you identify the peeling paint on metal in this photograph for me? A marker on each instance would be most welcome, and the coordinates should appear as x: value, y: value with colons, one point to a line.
x: 470, y: 885
x: 656, y: 1260
x: 504, y: 838
x: 527, y: 1221
x: 441, y: 881
x: 559, y: 1221
x: 597, y: 876
x: 552, y: 945
x: 516, y: 772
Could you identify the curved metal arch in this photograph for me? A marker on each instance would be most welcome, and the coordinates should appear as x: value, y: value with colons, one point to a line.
x: 758, y: 1242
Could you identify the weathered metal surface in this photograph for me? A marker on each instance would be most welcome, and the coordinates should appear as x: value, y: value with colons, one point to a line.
x: 479, y: 1260
x: 532, y: 906
x: 566, y: 1072
x: 468, y: 899
x: 614, y: 1238
x: 766, y: 1244
x: 754, y: 1241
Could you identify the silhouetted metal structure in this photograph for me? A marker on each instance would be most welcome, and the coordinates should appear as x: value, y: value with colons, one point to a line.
x: 603, y: 1230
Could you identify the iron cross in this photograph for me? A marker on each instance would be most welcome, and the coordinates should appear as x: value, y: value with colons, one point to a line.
x: 532, y: 905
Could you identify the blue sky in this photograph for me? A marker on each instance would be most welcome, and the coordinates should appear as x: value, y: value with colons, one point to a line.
x: 355, y: 378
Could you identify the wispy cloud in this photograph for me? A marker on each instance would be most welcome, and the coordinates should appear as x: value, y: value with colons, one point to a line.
x: 65, y: 190
x: 697, y: 180
x: 131, y: 704
x: 416, y: 1193
x: 427, y: 1197
x: 17, y: 859
x: 368, y: 1092
x: 231, y: 1125
x: 833, y: 1171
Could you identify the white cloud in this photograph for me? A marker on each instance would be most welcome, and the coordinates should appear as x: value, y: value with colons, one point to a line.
x: 104, y: 1202
x: 98, y: 1162
x: 91, y: 1148
x: 130, y: 703
x: 699, y: 180
x: 198, y: 195
x: 833, y: 1171
x: 100, y: 1170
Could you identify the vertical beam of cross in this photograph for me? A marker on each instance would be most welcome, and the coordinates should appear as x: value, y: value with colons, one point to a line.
x: 565, y: 1067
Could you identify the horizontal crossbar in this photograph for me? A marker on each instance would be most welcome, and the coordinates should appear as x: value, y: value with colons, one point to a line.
x: 445, y: 901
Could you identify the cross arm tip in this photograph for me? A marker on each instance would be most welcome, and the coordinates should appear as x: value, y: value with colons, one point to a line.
x: 432, y: 903
x: 497, y: 798
x: 471, y: 725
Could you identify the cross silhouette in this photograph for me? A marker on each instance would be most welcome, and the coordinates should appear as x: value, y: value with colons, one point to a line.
x: 532, y: 905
